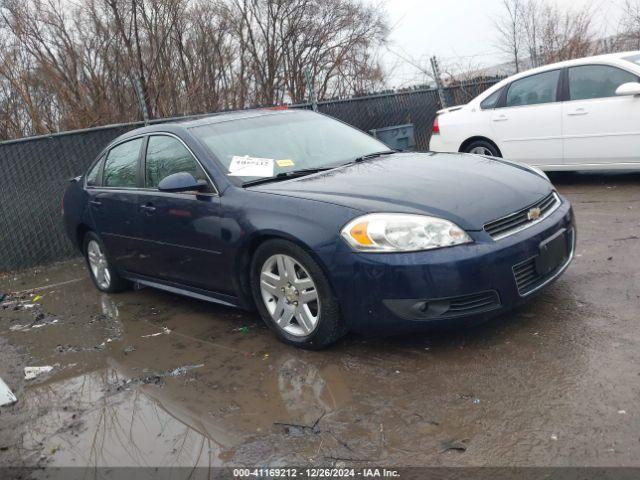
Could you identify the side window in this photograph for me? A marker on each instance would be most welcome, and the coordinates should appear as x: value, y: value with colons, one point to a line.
x: 539, y: 88
x: 596, y: 81
x: 491, y: 101
x: 166, y: 156
x: 94, y: 174
x: 122, y: 164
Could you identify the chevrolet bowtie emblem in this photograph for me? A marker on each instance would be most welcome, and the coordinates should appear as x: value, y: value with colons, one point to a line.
x: 534, y: 214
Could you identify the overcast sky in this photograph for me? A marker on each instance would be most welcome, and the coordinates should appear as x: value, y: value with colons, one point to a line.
x: 459, y: 32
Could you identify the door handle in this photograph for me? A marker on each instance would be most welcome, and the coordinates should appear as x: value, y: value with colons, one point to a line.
x: 578, y: 111
x: 500, y: 118
x: 95, y: 203
x: 148, y: 208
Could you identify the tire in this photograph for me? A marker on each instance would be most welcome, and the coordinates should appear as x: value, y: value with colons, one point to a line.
x: 111, y: 282
x: 482, y: 147
x: 271, y: 272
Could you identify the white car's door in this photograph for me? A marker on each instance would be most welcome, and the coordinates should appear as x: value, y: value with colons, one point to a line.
x: 529, y: 126
x: 598, y: 126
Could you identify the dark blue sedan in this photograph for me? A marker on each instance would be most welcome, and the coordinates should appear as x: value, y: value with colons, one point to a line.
x: 319, y: 226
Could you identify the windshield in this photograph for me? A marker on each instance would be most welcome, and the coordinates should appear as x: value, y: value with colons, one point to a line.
x: 267, y: 145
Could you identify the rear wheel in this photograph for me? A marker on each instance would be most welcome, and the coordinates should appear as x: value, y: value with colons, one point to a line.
x: 104, y: 276
x: 294, y: 297
x: 482, y: 147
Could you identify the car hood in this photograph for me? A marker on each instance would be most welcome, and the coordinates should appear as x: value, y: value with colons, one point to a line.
x: 469, y: 190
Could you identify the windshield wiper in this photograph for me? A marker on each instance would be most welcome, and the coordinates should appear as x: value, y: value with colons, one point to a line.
x: 286, y: 175
x: 373, y: 155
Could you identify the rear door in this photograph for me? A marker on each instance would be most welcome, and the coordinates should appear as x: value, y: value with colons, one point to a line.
x: 182, y: 231
x: 528, y: 125
x: 114, y: 203
x: 600, y: 127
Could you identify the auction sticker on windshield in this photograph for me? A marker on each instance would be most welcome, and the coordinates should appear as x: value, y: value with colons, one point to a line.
x: 247, y: 166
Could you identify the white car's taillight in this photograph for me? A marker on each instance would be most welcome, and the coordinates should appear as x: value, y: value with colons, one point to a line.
x: 435, y: 130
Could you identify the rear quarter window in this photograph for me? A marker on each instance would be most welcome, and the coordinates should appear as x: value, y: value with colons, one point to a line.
x: 93, y: 177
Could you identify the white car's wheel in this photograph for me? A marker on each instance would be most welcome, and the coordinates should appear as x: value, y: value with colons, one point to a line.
x: 482, y: 147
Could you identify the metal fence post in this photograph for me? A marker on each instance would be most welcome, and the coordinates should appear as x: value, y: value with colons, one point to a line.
x: 436, y: 76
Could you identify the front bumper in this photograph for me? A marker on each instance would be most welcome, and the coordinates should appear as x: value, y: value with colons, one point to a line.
x: 473, y: 282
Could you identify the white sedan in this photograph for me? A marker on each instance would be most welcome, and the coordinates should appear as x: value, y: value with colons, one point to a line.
x: 580, y: 114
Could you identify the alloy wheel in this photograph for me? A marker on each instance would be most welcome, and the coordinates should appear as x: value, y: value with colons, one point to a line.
x: 290, y: 295
x: 481, y: 151
x: 98, y: 264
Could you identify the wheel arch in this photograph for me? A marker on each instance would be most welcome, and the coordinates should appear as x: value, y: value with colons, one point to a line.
x: 81, y: 230
x: 476, y: 138
x: 243, y: 267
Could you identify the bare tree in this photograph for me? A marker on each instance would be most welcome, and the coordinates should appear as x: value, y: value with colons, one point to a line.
x: 510, y: 31
x: 631, y: 24
x: 66, y: 66
x: 535, y: 33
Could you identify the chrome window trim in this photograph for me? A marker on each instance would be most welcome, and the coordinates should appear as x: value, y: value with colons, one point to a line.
x: 557, y: 204
x: 215, y: 192
x: 105, y: 153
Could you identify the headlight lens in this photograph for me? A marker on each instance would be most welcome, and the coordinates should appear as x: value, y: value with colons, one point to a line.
x: 396, y: 232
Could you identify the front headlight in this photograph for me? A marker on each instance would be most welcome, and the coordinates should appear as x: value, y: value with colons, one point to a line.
x: 397, y: 232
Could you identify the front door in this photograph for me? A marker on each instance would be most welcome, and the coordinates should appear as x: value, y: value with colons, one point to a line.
x: 181, y: 231
x: 600, y: 127
x: 114, y: 204
x: 528, y: 127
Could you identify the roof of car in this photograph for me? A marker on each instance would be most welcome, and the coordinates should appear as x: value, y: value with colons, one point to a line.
x: 208, y: 119
x: 615, y: 57
x: 580, y: 61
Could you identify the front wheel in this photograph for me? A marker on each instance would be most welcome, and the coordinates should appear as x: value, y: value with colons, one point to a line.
x: 104, y: 276
x: 293, y: 296
x: 482, y: 147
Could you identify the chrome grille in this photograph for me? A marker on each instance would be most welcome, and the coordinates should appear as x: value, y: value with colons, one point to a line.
x: 520, y: 220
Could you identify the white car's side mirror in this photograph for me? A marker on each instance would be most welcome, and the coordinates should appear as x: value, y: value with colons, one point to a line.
x: 631, y: 88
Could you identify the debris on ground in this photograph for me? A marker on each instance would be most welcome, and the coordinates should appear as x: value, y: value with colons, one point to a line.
x: 129, y: 349
x: 153, y: 378
x: 165, y: 331
x: 32, y: 372
x: 454, y: 445
x: 6, y: 395
x: 18, y: 301
x: 40, y: 321
x: 176, y: 372
x: 300, y: 429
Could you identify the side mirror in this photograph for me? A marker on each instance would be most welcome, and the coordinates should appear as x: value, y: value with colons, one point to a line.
x: 181, y: 182
x: 631, y: 88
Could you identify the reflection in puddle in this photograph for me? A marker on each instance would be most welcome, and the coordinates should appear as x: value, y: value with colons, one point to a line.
x: 128, y: 428
x: 91, y: 420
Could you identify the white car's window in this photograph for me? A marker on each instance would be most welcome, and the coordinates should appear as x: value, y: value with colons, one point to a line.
x: 539, y: 88
x: 596, y: 81
x: 492, y: 100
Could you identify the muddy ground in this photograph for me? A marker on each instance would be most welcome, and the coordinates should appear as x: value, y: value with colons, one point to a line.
x: 556, y: 382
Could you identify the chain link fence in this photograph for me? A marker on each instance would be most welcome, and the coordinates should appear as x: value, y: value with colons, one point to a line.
x: 35, y: 171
